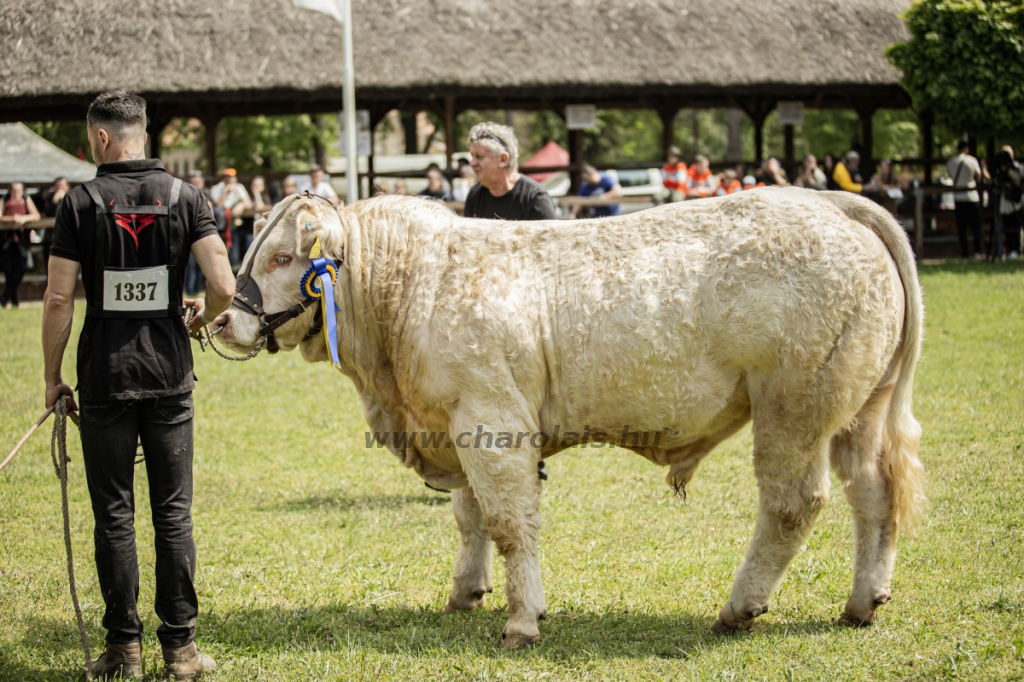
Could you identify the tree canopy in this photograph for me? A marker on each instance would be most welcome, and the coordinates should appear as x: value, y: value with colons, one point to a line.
x: 965, y: 63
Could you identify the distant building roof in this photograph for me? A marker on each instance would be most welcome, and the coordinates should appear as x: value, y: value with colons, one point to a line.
x: 26, y: 157
x: 241, y: 54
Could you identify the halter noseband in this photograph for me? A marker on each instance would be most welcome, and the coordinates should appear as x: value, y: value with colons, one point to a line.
x: 249, y: 298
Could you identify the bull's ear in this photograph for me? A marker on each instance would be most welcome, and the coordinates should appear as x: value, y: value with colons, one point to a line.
x: 259, y: 224
x: 313, y: 220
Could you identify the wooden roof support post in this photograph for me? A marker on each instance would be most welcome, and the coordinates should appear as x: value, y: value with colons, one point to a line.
x: 156, y: 121
x: 667, y: 114
x: 757, y: 108
x: 377, y: 114
x: 210, y: 123
x: 449, y: 129
x: 411, y: 134
x: 927, y: 144
x: 575, y: 161
x: 789, y: 163
x: 867, y: 136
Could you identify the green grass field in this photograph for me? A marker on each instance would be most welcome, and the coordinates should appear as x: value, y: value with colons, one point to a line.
x: 322, y: 560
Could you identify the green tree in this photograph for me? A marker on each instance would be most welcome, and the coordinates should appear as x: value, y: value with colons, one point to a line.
x: 965, y: 63
x: 68, y: 135
x: 256, y: 144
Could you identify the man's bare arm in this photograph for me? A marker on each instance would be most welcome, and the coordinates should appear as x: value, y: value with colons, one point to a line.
x: 58, y: 311
x: 212, y: 258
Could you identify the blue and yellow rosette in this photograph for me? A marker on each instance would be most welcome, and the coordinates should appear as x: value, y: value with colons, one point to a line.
x: 317, y: 283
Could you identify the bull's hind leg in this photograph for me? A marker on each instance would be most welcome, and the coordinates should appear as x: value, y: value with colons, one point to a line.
x: 506, y: 486
x: 473, y: 565
x: 856, y: 458
x: 792, y: 473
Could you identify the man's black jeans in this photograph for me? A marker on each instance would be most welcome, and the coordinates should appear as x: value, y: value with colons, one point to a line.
x: 110, y: 431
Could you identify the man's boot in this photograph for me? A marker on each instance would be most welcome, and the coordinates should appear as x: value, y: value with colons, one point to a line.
x: 118, y: 661
x: 186, y: 662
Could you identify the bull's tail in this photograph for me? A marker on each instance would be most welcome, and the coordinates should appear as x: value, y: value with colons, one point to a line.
x: 901, y: 435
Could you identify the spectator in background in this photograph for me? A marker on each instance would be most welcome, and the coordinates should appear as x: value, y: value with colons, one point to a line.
x: 674, y: 178
x: 728, y: 184
x: 260, y: 197
x: 502, y: 192
x: 1009, y: 179
x: 54, y: 197
x: 828, y: 166
x: 700, y: 181
x: 379, y: 187
x: 321, y: 187
x: 445, y: 185
x: 847, y: 173
x: 289, y: 187
x: 50, y: 204
x: 887, y: 184
x: 811, y: 177
x: 771, y: 173
x: 259, y: 202
x: 230, y: 199
x: 965, y: 172
x: 401, y: 188
x: 750, y: 182
x: 17, y: 209
x: 435, y: 185
x: 196, y: 179
x: 596, y: 184
x: 465, y: 181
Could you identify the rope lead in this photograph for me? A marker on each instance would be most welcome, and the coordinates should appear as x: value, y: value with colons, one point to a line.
x: 59, y: 456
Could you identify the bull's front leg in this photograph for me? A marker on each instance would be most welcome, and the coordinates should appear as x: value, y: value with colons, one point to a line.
x: 505, y: 484
x: 473, y: 565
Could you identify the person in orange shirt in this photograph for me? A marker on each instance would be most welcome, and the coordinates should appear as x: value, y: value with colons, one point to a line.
x: 728, y: 184
x: 674, y: 177
x: 701, y: 182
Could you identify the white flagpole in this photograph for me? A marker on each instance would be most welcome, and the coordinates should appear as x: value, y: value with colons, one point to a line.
x: 348, y: 100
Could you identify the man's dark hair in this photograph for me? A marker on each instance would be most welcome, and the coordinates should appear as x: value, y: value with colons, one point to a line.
x: 118, y: 112
x: 963, y: 145
x: 588, y: 169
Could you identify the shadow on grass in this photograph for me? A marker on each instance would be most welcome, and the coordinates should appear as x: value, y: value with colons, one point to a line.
x: 397, y: 630
x: 340, y: 501
x: 60, y: 641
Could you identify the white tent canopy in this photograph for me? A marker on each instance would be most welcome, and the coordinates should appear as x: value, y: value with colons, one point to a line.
x: 26, y: 157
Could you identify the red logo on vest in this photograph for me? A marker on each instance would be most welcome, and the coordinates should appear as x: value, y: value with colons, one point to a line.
x: 134, y: 223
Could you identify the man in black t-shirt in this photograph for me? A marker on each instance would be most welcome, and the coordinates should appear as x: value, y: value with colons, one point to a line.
x: 129, y: 232
x: 502, y: 192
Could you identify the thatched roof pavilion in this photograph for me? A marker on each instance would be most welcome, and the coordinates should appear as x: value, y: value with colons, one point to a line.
x: 213, y: 59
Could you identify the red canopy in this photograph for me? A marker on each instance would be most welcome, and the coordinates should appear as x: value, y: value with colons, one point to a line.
x: 550, y: 154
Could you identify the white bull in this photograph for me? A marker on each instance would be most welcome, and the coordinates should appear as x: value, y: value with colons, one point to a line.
x: 799, y: 310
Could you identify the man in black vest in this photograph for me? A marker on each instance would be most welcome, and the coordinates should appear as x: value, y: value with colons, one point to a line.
x: 129, y: 232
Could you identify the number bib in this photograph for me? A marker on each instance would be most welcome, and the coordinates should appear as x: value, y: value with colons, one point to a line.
x: 138, y: 291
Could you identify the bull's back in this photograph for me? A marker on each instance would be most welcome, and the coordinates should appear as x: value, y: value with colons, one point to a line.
x: 660, y: 315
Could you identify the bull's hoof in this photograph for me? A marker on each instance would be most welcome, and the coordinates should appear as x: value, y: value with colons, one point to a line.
x: 474, y: 600
x: 848, y: 620
x: 730, y: 621
x: 512, y: 639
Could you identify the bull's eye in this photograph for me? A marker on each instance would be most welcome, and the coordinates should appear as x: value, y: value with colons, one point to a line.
x: 282, y: 260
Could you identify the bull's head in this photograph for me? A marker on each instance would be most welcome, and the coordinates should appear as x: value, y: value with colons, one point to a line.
x: 269, y: 303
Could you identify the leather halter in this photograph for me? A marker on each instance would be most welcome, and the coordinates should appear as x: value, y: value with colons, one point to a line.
x: 249, y: 298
